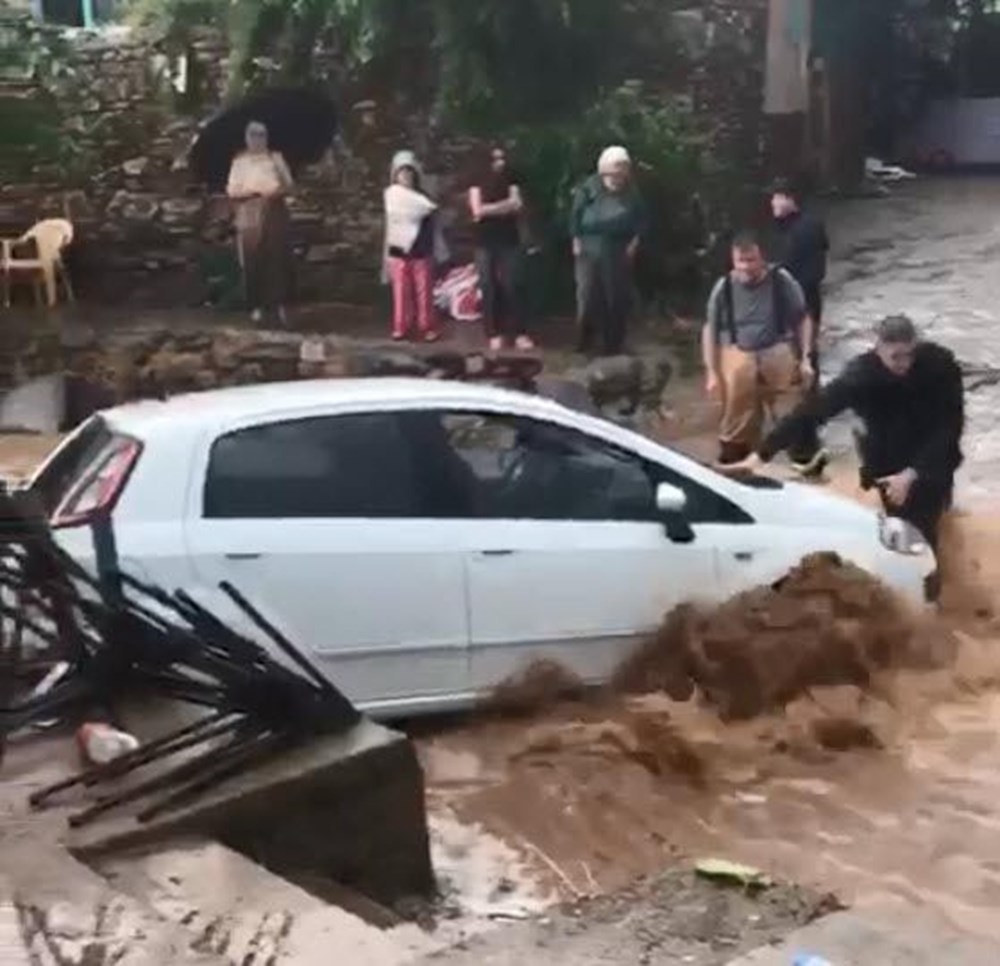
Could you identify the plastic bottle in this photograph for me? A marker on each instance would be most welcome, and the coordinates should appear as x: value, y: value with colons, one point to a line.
x: 809, y: 959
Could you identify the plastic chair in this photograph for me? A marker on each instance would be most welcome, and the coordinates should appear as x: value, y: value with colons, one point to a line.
x: 50, y: 237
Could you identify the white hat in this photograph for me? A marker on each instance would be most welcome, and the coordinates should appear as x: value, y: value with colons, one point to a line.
x: 612, y: 157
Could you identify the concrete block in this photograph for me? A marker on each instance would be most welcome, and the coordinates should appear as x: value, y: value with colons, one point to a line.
x: 348, y: 808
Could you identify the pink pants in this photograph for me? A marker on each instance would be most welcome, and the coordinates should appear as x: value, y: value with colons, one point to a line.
x: 412, y: 279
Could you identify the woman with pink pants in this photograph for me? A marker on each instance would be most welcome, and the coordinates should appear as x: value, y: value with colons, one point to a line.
x: 411, y: 243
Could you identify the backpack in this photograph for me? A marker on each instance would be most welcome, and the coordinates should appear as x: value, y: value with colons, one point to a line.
x: 779, y: 304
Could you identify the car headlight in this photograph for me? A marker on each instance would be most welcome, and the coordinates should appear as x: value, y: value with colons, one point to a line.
x: 900, y: 536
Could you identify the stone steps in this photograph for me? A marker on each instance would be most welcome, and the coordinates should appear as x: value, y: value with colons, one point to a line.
x: 240, y: 912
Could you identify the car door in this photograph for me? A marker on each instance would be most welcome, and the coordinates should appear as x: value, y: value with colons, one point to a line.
x: 316, y: 520
x: 568, y: 559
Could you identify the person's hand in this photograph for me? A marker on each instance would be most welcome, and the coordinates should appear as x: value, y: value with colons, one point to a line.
x: 750, y: 466
x: 632, y: 250
x: 577, y: 247
x: 712, y: 384
x: 807, y: 372
x: 896, y: 488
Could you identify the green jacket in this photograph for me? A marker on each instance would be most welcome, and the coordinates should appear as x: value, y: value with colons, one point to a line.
x: 604, y: 221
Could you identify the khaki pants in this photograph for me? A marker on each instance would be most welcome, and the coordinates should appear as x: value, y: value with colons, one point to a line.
x: 754, y: 385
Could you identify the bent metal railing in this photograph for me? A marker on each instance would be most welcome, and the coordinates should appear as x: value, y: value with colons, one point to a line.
x: 118, y: 637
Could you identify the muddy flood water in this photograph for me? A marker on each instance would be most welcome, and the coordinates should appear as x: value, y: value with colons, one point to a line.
x: 885, y: 793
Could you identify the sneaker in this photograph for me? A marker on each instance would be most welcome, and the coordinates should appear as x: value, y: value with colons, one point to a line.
x: 256, y: 316
x: 496, y: 344
x: 398, y: 336
x: 524, y: 343
x: 813, y: 468
x: 432, y: 336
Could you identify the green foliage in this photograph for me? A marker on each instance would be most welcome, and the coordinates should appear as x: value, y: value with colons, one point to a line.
x: 39, y: 88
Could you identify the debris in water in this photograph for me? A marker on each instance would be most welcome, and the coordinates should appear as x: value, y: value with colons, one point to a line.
x: 720, y: 870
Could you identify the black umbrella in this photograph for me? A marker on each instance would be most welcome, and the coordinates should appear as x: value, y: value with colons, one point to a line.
x: 301, y: 124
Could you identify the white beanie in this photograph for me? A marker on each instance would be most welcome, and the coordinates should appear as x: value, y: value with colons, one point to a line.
x: 611, y: 158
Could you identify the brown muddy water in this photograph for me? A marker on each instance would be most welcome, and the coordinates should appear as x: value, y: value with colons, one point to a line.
x: 886, y: 790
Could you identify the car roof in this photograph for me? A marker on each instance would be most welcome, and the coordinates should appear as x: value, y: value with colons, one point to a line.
x: 260, y: 401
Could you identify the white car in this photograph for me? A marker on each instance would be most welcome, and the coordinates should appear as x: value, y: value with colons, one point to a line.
x: 423, y: 539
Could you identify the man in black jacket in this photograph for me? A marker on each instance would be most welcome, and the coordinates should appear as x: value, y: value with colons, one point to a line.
x: 801, y: 249
x: 910, y: 397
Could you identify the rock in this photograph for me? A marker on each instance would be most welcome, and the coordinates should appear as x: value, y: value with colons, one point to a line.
x: 178, y: 210
x: 135, y: 167
x: 323, y: 253
x: 174, y: 368
x: 571, y: 393
x: 131, y: 206
x: 616, y: 381
x: 384, y: 362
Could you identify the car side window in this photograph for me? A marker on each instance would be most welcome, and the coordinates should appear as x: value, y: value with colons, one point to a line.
x: 519, y: 468
x: 509, y: 467
x: 354, y: 465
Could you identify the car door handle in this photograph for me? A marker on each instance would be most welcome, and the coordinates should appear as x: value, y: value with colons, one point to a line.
x: 244, y: 556
x: 496, y: 553
x: 744, y: 556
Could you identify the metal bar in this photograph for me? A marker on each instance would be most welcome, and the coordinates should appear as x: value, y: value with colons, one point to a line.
x: 202, y: 730
x: 264, y: 746
x: 339, y: 702
x: 182, y: 772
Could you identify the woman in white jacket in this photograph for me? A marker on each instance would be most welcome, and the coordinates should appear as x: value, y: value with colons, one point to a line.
x: 411, y: 243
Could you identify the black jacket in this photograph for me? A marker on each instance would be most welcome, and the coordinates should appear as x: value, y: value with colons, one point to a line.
x: 914, y: 421
x: 801, y: 247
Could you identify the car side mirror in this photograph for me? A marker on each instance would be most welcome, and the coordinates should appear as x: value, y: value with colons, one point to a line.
x: 671, y: 502
x: 670, y: 498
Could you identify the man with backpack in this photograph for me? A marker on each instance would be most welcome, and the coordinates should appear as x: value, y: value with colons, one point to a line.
x: 756, y: 346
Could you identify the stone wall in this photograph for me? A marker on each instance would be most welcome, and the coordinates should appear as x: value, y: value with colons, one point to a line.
x: 148, y: 235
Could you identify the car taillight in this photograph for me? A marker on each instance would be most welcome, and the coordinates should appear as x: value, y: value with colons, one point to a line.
x: 100, y: 486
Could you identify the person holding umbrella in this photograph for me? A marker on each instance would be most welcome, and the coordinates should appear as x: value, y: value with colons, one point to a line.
x: 259, y: 180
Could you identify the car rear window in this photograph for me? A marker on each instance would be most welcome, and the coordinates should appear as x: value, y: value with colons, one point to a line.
x: 69, y: 463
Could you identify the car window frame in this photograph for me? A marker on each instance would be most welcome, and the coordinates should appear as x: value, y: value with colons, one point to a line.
x: 658, y: 473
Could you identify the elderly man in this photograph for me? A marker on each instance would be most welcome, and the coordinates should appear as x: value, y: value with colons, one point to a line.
x: 755, y: 346
x: 910, y: 397
x: 607, y: 223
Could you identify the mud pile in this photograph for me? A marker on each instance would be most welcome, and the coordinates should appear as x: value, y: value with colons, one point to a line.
x: 827, y: 623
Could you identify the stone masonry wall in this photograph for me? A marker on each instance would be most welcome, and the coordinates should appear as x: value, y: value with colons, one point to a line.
x: 148, y: 235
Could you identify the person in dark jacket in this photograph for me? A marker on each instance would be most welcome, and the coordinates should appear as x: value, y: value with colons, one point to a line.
x: 496, y: 204
x: 607, y: 224
x: 802, y: 247
x: 910, y: 397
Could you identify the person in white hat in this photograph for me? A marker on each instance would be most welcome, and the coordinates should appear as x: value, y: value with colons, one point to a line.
x: 607, y: 223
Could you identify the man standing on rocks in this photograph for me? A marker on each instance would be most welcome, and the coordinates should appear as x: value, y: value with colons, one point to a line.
x: 753, y: 349
x: 910, y: 397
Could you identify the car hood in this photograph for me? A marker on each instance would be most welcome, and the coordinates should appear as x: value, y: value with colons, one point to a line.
x: 801, y: 505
